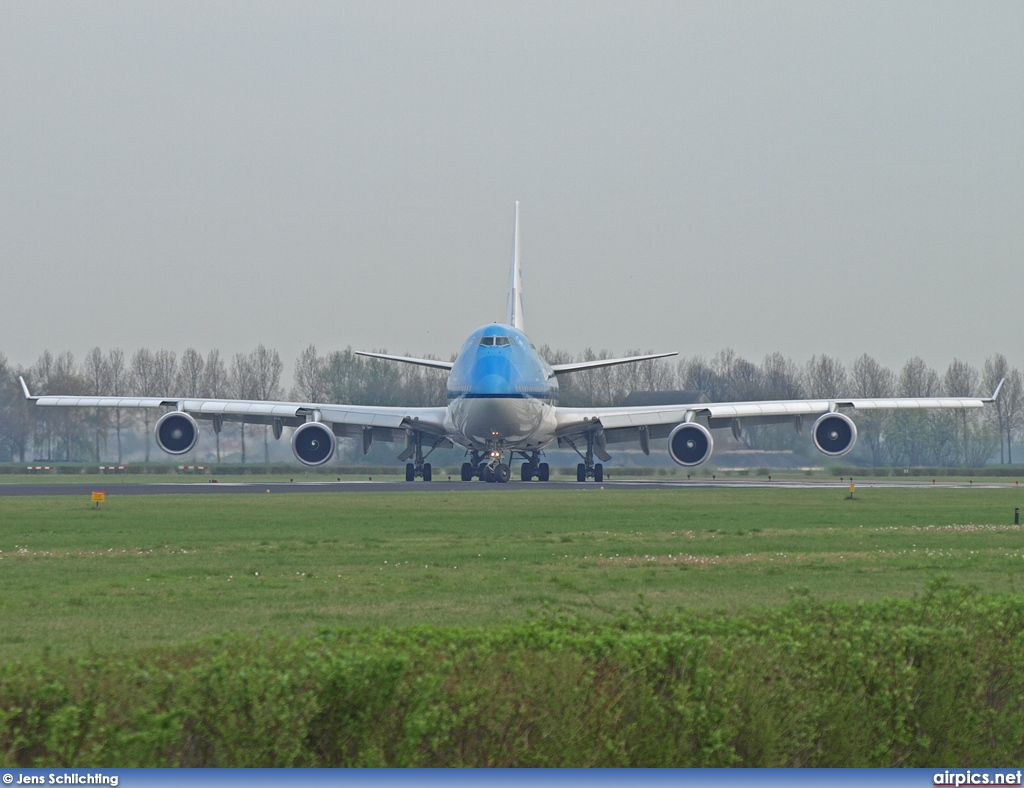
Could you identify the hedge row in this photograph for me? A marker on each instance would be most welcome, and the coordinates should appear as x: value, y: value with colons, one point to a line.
x: 939, y: 679
x: 146, y: 469
x: 1009, y: 471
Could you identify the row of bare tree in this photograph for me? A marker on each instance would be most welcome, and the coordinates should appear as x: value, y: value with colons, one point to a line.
x: 77, y: 434
x: 968, y: 437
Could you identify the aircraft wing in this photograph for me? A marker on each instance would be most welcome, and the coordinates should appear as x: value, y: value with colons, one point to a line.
x: 388, y: 423
x: 622, y: 424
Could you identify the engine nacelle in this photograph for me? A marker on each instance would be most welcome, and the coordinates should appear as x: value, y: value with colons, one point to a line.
x: 690, y: 444
x: 834, y: 434
x: 313, y: 443
x: 176, y: 432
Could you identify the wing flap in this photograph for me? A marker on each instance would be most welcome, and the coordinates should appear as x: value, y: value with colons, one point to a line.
x: 911, y: 403
x: 103, y: 402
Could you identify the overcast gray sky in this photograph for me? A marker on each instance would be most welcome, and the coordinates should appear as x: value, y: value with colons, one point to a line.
x: 805, y: 177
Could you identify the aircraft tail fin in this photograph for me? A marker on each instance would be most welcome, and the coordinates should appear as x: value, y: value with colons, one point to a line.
x: 515, y: 288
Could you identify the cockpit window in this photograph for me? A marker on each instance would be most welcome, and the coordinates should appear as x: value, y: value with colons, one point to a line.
x: 492, y: 341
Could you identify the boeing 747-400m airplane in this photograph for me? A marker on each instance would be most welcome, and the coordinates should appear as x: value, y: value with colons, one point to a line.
x: 503, y: 404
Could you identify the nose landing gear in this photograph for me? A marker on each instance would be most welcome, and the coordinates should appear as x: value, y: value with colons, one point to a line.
x: 493, y: 469
x: 490, y: 467
x: 498, y: 472
x: 485, y: 467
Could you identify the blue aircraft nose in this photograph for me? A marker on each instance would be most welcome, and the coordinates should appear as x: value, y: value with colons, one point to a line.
x: 491, y: 375
x: 491, y: 384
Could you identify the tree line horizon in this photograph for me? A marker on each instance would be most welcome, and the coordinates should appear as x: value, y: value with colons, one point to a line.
x: 964, y: 438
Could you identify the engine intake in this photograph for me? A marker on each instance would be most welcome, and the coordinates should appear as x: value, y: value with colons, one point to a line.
x: 313, y: 443
x: 690, y: 444
x: 834, y: 434
x: 176, y: 432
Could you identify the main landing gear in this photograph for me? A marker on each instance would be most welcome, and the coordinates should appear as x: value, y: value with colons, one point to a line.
x: 532, y: 468
x: 425, y: 472
x: 588, y: 469
x: 595, y: 472
x: 417, y: 468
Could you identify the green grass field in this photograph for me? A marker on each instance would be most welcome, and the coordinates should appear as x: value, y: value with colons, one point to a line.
x: 161, y: 570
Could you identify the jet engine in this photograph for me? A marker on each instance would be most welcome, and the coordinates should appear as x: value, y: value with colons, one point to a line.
x: 176, y: 432
x: 834, y: 434
x: 313, y: 443
x: 690, y: 444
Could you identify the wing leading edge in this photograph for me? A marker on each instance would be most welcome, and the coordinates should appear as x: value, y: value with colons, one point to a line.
x: 345, y: 419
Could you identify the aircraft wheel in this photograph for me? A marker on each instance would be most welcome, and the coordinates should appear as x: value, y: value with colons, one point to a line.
x: 410, y: 472
x: 599, y: 473
x: 527, y: 472
x: 467, y: 472
x: 581, y: 472
x: 427, y: 472
x: 502, y: 473
x: 485, y: 473
x: 543, y: 472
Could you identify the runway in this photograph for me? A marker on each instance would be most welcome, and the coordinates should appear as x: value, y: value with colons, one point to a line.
x: 113, y: 489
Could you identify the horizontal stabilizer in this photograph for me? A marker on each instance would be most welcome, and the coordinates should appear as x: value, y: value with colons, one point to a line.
x: 421, y: 362
x: 562, y: 369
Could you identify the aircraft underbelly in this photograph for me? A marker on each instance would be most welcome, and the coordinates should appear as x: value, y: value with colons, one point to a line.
x: 506, y: 422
